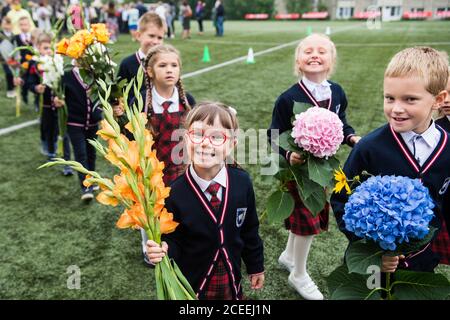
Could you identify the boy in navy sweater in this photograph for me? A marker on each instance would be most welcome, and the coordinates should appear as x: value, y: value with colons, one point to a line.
x: 150, y: 33
x: 24, y: 39
x: 82, y: 124
x: 49, y: 116
x: 409, y: 145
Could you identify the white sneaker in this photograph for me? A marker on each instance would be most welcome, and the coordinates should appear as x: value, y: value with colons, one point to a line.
x: 11, y: 94
x: 306, y: 287
x: 285, y: 262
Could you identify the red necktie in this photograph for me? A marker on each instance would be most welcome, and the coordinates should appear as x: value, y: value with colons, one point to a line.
x: 213, y: 188
x: 166, y: 106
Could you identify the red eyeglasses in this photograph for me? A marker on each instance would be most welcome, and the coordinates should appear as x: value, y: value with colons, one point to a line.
x: 216, y: 138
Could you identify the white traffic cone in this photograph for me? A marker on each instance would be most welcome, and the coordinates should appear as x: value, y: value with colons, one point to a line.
x: 250, y: 56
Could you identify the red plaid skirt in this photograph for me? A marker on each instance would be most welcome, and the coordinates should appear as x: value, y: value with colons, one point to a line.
x: 301, y: 221
x: 441, y: 244
x: 219, y: 286
x: 164, y: 125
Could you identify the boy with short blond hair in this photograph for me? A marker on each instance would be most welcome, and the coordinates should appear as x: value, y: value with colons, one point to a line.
x: 150, y: 33
x: 410, y: 144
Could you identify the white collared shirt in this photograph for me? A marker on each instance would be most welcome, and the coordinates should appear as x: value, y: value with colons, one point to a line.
x: 320, y: 91
x: 141, y: 55
x: 425, y: 143
x: 157, y: 101
x: 25, y: 37
x: 220, y: 178
x: 448, y: 117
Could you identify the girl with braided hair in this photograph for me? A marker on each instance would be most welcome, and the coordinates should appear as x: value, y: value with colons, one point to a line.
x: 166, y: 106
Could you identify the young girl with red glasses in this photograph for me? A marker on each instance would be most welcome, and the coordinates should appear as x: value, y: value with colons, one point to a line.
x: 215, y: 205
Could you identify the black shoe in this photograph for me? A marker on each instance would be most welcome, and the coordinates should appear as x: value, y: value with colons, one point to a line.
x: 67, y: 171
x: 87, y: 194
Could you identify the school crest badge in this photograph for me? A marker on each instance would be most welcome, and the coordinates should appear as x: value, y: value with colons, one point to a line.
x: 240, y: 216
x: 445, y: 186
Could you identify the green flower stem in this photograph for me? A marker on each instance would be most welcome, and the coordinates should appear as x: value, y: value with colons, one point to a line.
x: 180, y: 284
x: 388, y: 285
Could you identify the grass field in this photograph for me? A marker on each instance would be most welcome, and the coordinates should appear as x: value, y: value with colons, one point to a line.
x: 44, y: 227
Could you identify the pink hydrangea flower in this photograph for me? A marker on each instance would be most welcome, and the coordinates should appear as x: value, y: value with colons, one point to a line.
x: 318, y: 131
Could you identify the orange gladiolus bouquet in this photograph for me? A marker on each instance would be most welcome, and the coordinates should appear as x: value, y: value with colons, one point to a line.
x: 89, y: 48
x: 138, y: 186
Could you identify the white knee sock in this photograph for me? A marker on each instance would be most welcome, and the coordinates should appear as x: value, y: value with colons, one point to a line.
x: 302, y: 244
x: 289, y: 251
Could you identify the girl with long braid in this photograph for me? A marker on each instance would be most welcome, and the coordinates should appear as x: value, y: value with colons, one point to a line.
x: 166, y: 106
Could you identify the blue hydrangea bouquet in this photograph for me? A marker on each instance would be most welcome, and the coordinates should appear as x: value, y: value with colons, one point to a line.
x: 391, y: 216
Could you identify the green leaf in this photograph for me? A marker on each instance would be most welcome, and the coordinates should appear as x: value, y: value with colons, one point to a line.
x: 287, y: 142
x: 409, y: 285
x: 182, y: 278
x: 319, y: 171
x: 334, y: 163
x: 300, y: 107
x: 350, y: 286
x: 414, y: 244
x: 362, y: 254
x: 159, y: 283
x: 279, y: 206
x: 315, y: 202
x: 283, y: 175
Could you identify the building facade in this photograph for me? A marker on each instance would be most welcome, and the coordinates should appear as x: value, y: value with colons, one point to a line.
x: 388, y: 10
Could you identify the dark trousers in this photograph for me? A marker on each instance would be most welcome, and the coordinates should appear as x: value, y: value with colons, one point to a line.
x: 49, y: 129
x: 24, y: 91
x: 66, y: 147
x: 84, y: 152
x: 9, y: 77
x: 200, y: 24
x: 219, y: 26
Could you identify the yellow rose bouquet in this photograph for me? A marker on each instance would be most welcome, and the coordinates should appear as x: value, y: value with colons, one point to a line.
x: 138, y: 186
x: 89, y: 48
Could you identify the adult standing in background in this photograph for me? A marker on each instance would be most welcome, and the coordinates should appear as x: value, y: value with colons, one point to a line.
x: 199, y: 15
x: 124, y: 19
x: 16, y: 13
x: 112, y: 22
x: 220, y: 17
x: 186, y: 12
x: 141, y: 8
x: 6, y: 7
x: 98, y: 5
x: 170, y: 16
x: 43, y: 14
x: 161, y: 11
x: 133, y: 19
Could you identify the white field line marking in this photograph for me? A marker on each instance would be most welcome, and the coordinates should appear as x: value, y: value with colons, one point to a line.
x: 244, y: 43
x: 259, y: 53
x: 192, y: 74
x: 18, y: 126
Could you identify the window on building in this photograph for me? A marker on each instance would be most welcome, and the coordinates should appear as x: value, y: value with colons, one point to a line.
x: 341, y: 12
x: 352, y: 11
